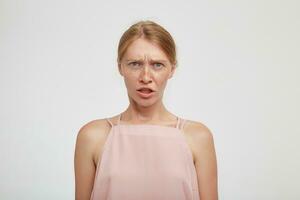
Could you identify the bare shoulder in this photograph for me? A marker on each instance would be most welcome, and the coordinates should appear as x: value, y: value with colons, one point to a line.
x: 197, y: 130
x: 198, y: 136
x: 91, y: 137
x: 92, y: 130
x: 205, y: 160
x: 89, y: 142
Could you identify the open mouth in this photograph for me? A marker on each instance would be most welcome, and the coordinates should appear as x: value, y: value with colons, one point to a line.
x: 145, y: 92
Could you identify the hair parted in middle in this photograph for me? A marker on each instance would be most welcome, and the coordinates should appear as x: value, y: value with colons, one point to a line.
x: 152, y: 32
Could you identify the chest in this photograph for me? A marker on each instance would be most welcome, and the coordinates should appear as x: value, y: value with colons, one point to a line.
x: 139, y: 146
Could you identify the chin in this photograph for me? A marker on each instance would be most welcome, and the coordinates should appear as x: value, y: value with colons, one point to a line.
x: 144, y: 102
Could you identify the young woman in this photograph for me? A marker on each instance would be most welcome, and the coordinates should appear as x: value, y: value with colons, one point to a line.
x: 145, y: 152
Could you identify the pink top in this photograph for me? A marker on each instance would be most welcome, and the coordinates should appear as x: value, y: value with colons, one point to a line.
x: 145, y: 162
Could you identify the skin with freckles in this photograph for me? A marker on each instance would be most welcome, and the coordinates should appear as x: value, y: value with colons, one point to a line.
x: 145, y: 64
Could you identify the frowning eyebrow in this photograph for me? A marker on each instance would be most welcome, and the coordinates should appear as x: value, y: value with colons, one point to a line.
x: 152, y: 60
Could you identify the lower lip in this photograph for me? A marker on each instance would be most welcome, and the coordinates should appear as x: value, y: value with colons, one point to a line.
x: 144, y: 94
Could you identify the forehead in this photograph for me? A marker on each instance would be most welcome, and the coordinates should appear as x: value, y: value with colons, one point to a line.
x: 142, y: 49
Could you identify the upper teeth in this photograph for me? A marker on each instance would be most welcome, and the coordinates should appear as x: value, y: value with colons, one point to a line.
x: 145, y: 89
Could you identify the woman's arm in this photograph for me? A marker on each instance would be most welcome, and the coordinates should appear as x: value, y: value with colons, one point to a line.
x: 205, y: 162
x: 84, y: 166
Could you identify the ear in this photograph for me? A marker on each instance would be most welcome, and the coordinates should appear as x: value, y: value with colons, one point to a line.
x: 120, y: 69
x: 172, y: 71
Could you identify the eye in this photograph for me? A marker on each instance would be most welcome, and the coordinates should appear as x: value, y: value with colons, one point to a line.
x: 158, y: 65
x: 134, y: 64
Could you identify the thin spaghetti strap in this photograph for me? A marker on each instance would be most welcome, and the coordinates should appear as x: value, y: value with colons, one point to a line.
x: 178, y: 122
x: 119, y: 119
x: 182, y: 123
x: 110, y: 122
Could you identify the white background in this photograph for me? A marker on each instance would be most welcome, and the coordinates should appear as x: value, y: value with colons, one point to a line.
x: 238, y: 74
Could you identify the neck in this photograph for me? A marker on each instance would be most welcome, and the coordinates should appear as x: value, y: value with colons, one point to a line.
x: 143, y: 114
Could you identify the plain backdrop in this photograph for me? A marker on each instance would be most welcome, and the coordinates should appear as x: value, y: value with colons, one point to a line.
x: 238, y: 74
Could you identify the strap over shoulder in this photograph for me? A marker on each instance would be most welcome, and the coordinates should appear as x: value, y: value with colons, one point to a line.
x: 180, y: 123
x: 109, y: 122
x: 183, y: 121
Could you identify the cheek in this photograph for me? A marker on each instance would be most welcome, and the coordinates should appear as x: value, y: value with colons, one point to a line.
x: 161, y: 80
x: 130, y: 82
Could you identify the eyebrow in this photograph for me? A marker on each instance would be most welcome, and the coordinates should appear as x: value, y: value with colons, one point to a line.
x: 152, y: 60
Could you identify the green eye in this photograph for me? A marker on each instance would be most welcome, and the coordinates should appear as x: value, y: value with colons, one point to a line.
x: 158, y: 65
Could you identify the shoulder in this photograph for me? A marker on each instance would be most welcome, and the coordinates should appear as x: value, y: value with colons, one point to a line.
x: 89, y: 139
x: 205, y: 159
x: 197, y: 130
x: 199, y: 137
x: 91, y: 136
x: 92, y: 129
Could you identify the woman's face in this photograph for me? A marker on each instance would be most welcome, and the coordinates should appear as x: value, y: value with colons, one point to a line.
x: 145, y: 65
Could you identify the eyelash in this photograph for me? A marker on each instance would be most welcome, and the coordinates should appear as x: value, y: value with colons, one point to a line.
x: 159, y: 63
x: 139, y: 63
x: 132, y: 63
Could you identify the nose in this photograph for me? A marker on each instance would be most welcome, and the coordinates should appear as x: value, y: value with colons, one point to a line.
x: 145, y: 75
